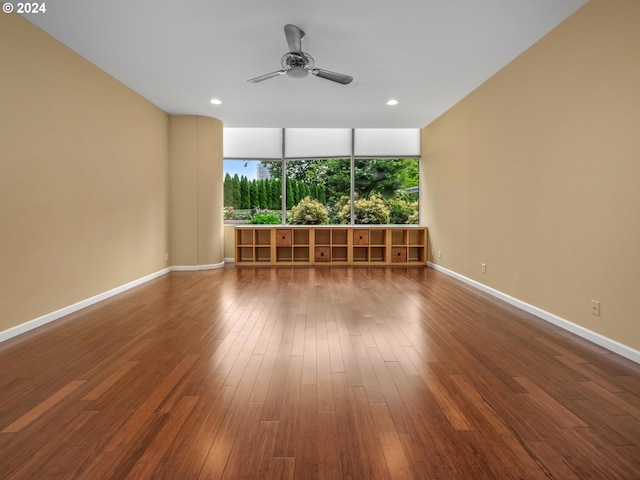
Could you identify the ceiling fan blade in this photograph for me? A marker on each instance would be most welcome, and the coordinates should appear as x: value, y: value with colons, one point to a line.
x: 266, y: 77
x: 294, y: 38
x: 333, y: 76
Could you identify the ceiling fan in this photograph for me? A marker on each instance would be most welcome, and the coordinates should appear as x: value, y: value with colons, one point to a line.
x: 298, y: 64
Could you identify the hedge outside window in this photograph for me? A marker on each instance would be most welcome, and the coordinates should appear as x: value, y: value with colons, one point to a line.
x: 385, y: 191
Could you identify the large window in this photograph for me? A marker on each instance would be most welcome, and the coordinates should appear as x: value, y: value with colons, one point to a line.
x: 331, y: 190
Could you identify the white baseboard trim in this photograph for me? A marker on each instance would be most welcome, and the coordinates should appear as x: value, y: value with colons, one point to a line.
x: 598, y: 339
x: 195, y: 268
x: 230, y: 260
x: 50, y: 317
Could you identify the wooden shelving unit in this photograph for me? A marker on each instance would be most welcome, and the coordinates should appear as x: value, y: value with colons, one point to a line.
x: 331, y: 245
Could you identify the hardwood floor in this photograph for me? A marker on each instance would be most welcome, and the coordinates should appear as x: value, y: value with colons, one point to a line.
x: 302, y: 373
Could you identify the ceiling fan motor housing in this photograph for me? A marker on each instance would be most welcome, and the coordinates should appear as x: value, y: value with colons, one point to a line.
x: 297, y: 65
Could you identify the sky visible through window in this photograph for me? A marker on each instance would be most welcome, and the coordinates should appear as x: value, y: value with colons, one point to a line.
x: 247, y: 168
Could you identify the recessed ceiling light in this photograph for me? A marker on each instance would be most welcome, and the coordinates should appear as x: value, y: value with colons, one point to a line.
x: 392, y: 102
x: 216, y: 101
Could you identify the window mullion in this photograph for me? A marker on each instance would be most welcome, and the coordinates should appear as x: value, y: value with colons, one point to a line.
x: 352, y: 178
x: 283, y: 177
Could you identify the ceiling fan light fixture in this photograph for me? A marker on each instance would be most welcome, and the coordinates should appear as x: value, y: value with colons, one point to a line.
x: 297, y: 72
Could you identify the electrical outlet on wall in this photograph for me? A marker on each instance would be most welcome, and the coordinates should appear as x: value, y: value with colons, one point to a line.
x: 439, y: 253
x: 595, y: 308
x: 483, y: 267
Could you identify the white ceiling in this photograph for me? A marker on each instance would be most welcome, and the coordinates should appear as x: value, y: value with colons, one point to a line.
x: 428, y: 54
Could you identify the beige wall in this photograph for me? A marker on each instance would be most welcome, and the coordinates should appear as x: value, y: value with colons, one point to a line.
x: 83, y: 178
x: 196, y: 191
x: 537, y: 174
x: 230, y: 242
x: 210, y: 192
x: 184, y: 202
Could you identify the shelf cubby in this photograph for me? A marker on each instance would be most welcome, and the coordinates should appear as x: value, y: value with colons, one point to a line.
x: 263, y: 254
x: 263, y: 237
x: 398, y: 236
x: 416, y: 237
x: 377, y: 236
x: 339, y: 254
x: 301, y: 236
x: 244, y: 237
x: 377, y: 254
x: 339, y: 236
x: 416, y: 254
x: 284, y: 254
x: 301, y: 254
x: 245, y: 254
x: 360, y: 254
x: 322, y: 236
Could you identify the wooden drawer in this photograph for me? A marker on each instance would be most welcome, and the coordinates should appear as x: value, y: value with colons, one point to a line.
x: 283, y: 237
x: 361, y: 237
x: 322, y: 254
x: 399, y: 254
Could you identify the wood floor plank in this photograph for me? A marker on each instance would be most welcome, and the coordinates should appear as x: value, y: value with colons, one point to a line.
x: 615, y: 405
x: 261, y: 451
x: 373, y: 459
x: 290, y: 372
x: 310, y: 360
x: 276, y: 392
x: 289, y: 419
x: 48, y: 455
x: 347, y: 443
x: 447, y: 403
x: 323, y: 379
x: 327, y: 434
x: 96, y: 392
x: 554, y: 409
x: 154, y: 401
x: 306, y: 436
x: 369, y: 379
x: 513, y: 453
x: 227, y: 435
x: 148, y: 462
x: 263, y: 380
x: 191, y: 455
x: 394, y: 454
x: 42, y: 407
x: 238, y: 464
